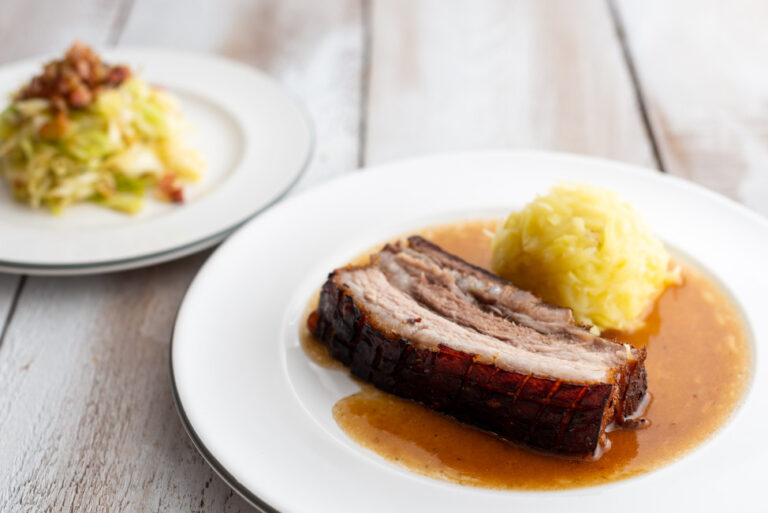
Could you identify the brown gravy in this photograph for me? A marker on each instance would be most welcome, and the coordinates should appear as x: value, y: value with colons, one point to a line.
x: 698, y: 367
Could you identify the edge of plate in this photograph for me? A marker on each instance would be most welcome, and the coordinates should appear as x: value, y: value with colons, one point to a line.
x: 209, y: 458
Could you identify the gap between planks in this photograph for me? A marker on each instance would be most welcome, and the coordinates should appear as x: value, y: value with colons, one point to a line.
x: 626, y: 53
x: 365, y: 79
x: 121, y: 20
x: 12, y: 309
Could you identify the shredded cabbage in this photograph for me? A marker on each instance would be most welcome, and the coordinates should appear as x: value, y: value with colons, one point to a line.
x: 582, y: 247
x: 129, y: 140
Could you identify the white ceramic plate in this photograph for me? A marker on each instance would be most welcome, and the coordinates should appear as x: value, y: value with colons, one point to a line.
x: 256, y: 141
x: 260, y: 410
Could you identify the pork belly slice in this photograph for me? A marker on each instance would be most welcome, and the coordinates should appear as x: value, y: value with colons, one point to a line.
x: 423, y: 324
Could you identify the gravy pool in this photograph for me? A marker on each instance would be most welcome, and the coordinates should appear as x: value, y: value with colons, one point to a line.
x: 698, y: 367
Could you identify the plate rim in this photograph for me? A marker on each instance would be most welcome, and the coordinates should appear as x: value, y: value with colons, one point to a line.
x: 203, y: 242
x: 207, y: 455
x: 256, y: 501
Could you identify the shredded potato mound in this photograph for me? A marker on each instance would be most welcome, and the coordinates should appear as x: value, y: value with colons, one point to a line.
x: 584, y: 248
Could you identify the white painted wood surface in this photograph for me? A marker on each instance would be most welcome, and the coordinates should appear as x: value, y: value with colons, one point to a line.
x: 85, y: 405
x: 702, y: 69
x: 446, y: 76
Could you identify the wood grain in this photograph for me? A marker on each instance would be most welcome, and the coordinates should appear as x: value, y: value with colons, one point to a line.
x: 87, y: 416
x: 525, y: 74
x: 701, y: 66
x: 86, y: 408
x: 50, y: 26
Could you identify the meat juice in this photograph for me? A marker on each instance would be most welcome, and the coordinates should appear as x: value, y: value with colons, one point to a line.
x: 698, y: 365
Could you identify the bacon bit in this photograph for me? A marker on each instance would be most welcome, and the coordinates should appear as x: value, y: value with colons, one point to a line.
x: 74, y: 81
x: 56, y: 127
x: 79, y: 98
x: 413, y: 321
x: 104, y: 189
x: 169, y: 188
x: 118, y: 75
x: 177, y: 195
x: 312, y: 321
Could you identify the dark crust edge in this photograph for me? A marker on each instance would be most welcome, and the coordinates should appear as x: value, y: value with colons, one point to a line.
x: 544, y: 413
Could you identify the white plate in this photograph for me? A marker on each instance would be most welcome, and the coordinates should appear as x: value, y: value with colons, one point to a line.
x: 260, y: 411
x: 256, y: 141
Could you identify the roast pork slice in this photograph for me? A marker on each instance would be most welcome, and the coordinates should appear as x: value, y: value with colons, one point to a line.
x: 425, y: 325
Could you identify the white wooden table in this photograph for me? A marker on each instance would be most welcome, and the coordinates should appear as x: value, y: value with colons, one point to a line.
x: 87, y: 421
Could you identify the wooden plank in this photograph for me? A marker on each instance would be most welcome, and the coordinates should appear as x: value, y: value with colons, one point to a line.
x: 52, y: 25
x: 87, y: 416
x: 701, y: 67
x: 86, y: 408
x: 526, y: 74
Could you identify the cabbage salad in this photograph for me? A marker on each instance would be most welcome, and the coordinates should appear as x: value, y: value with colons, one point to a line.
x: 74, y: 135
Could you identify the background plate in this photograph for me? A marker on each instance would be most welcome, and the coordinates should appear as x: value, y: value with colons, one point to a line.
x: 260, y: 410
x: 256, y: 141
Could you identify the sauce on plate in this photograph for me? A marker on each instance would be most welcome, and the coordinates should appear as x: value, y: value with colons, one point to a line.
x: 698, y: 366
